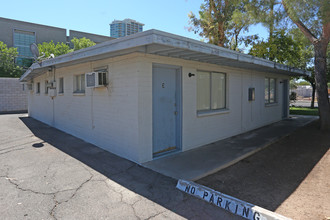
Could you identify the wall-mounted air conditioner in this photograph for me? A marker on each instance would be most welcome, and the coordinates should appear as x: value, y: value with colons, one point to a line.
x: 52, y: 92
x: 96, y: 79
x: 51, y: 84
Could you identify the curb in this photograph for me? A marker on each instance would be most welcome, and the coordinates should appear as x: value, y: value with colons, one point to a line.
x: 229, y: 203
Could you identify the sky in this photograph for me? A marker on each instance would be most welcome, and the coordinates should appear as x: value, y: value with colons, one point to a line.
x: 95, y: 16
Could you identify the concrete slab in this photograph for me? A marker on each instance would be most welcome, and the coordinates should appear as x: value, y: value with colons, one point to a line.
x: 208, y: 159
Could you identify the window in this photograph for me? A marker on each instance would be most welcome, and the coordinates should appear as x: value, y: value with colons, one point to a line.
x: 22, y: 41
x: 46, y: 87
x: 38, y: 88
x: 79, y: 83
x: 211, y: 91
x: 61, y: 86
x: 270, y: 90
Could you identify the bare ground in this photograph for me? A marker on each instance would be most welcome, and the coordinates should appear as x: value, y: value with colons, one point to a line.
x: 290, y: 177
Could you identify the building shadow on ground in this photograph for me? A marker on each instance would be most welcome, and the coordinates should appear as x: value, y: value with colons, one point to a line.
x: 266, y: 178
x: 270, y: 176
x: 149, y: 184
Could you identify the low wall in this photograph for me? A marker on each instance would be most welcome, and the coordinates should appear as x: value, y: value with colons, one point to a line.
x: 13, y: 98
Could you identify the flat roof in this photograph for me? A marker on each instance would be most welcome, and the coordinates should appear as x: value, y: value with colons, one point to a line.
x: 163, y: 44
x: 30, y: 23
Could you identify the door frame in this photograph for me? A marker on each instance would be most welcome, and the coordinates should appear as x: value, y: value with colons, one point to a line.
x: 178, y: 100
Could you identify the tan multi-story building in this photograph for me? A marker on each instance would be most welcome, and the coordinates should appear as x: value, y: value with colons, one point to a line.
x: 21, y: 34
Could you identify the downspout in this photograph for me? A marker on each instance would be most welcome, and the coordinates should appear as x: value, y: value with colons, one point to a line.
x: 241, y: 102
x: 92, y: 100
x: 53, y: 70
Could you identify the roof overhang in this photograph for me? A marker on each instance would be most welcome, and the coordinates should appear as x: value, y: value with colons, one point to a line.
x: 163, y: 44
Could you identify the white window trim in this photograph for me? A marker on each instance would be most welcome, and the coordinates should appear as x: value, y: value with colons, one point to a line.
x: 80, y: 92
x: 38, y: 88
x: 207, y: 112
x: 204, y: 113
x: 46, y: 87
x: 59, y: 87
x: 269, y: 103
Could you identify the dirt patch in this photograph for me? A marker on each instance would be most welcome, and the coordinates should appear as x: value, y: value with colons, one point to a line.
x: 291, y: 177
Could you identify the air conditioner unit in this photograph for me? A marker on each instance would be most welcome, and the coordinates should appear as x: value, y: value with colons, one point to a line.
x: 96, y: 79
x: 51, y: 84
x: 52, y: 93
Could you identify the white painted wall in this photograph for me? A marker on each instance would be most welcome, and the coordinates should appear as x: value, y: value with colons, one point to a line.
x: 198, y: 130
x: 120, y: 120
x: 105, y: 118
x: 12, y: 96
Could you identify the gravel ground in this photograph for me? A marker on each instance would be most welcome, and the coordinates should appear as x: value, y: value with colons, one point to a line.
x: 290, y: 177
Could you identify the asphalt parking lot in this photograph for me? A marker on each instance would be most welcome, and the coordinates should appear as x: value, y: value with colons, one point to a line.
x: 48, y: 174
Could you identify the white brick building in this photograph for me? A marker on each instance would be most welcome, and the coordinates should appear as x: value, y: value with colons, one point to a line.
x: 164, y: 94
x: 13, y: 98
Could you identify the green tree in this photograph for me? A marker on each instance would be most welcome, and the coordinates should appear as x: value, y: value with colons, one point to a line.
x: 267, y: 12
x: 281, y: 48
x: 239, y: 23
x: 271, y: 15
x: 221, y: 22
x: 303, y: 83
x: 81, y: 43
x: 306, y: 57
x: 312, y: 17
x: 8, y: 68
x: 48, y: 48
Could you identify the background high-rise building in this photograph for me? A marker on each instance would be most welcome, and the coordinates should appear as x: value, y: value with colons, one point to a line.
x: 125, y: 27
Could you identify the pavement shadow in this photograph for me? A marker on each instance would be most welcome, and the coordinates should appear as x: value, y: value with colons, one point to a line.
x: 149, y: 184
x: 270, y: 176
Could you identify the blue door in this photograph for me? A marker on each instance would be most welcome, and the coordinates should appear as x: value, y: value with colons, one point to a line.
x: 165, y: 113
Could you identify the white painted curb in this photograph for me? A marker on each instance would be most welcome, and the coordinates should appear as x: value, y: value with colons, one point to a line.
x: 231, y: 204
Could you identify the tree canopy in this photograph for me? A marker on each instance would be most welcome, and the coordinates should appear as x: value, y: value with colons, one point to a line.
x: 81, y: 43
x: 281, y: 48
x: 312, y: 17
x: 48, y: 48
x: 8, y: 68
x: 299, y: 33
x: 60, y: 48
x: 221, y: 21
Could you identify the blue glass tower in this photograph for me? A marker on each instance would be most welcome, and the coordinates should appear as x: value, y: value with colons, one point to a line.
x: 125, y: 27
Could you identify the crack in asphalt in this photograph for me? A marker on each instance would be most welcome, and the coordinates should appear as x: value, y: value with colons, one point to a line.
x: 18, y: 139
x: 140, y: 199
x: 57, y: 203
x: 19, y: 145
x: 53, y: 194
x: 153, y: 216
x: 10, y: 180
x: 17, y: 149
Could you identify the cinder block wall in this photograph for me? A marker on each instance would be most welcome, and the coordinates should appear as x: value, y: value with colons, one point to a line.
x: 12, y: 96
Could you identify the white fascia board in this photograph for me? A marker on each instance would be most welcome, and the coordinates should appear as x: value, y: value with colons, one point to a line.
x: 155, y: 37
x: 174, y: 41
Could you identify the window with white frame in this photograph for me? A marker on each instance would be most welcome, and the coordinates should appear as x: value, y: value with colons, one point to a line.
x: 38, y: 88
x: 61, y: 85
x: 79, y: 83
x: 211, y: 91
x: 46, y: 86
x: 270, y: 90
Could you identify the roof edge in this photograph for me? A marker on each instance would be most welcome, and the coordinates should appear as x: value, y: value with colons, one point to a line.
x: 167, y: 40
